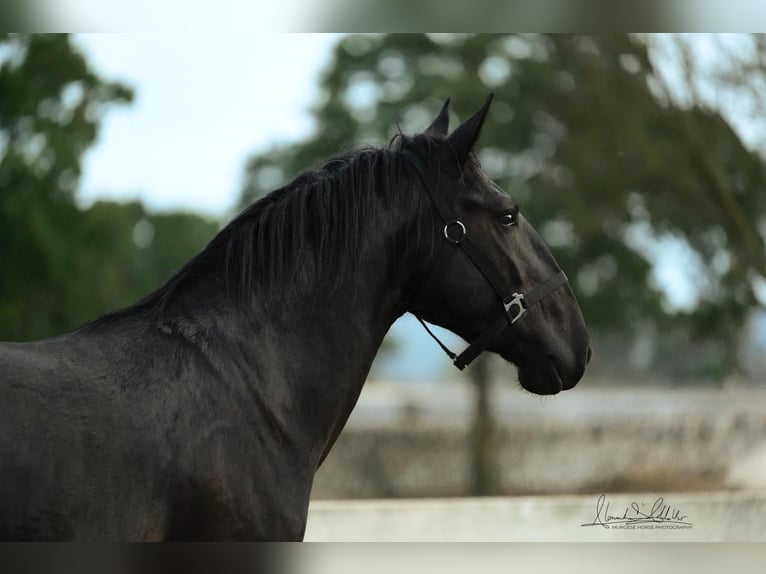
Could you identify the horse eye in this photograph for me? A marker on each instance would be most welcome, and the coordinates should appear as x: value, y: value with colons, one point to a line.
x: 507, y: 219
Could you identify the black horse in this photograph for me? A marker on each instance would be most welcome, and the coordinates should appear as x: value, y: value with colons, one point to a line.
x: 203, y: 411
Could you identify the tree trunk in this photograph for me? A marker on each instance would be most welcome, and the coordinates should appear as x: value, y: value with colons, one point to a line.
x: 484, y: 473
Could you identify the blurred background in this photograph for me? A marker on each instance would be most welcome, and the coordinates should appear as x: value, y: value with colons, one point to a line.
x: 639, y: 158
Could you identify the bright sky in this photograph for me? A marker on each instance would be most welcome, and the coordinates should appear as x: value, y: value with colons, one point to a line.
x: 204, y: 103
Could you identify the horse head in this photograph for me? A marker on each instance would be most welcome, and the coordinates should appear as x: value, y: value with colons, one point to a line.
x: 491, y: 278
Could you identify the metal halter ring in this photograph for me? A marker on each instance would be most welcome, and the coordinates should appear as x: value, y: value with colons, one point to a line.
x: 454, y: 224
x: 517, y: 300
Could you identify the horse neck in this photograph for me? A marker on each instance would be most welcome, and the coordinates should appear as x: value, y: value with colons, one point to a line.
x: 317, y: 348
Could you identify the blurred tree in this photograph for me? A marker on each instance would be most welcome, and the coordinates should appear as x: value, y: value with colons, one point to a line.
x: 649, y: 169
x: 124, y: 253
x: 59, y: 265
x: 727, y: 228
x: 50, y: 103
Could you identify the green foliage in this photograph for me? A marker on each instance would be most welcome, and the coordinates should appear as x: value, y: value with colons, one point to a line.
x: 60, y: 265
x: 582, y: 134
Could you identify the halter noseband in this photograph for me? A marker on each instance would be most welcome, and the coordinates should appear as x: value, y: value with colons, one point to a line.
x: 514, y: 304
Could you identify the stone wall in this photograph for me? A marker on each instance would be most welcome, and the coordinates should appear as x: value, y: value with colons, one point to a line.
x: 425, y: 459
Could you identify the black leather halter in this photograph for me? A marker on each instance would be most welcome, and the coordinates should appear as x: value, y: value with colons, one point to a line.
x: 514, y: 304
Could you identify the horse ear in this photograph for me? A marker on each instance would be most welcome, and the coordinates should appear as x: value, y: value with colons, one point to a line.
x: 440, y: 125
x: 465, y: 135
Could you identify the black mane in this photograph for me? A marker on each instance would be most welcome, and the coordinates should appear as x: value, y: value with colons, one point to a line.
x: 322, y: 214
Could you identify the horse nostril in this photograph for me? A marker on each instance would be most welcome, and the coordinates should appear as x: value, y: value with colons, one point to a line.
x: 590, y: 354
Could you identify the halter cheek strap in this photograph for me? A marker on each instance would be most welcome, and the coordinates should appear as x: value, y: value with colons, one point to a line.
x: 514, y: 304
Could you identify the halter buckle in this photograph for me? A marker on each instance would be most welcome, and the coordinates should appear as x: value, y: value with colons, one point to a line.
x: 517, y: 300
x: 461, y: 232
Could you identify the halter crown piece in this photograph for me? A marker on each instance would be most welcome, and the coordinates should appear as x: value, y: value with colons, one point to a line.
x: 514, y: 304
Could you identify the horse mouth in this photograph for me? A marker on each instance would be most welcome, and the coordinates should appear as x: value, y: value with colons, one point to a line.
x: 545, y: 377
x: 541, y: 380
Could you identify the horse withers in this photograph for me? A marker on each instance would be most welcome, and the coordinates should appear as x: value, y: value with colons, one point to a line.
x: 203, y: 411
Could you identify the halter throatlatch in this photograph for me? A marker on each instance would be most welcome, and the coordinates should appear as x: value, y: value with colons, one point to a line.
x: 514, y: 304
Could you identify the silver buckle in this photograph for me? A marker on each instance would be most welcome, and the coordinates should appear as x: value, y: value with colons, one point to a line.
x: 517, y: 300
